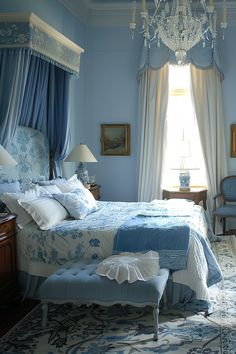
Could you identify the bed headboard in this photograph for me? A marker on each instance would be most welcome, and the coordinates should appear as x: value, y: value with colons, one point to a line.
x: 30, y: 148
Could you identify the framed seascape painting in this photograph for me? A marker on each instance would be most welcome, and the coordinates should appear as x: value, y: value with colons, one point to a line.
x: 115, y: 139
x: 233, y: 140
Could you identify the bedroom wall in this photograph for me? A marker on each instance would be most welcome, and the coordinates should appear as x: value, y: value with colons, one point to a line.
x: 107, y: 91
x: 228, y: 59
x: 112, y: 97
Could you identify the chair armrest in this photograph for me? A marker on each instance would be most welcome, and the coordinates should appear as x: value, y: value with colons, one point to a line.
x: 217, y: 196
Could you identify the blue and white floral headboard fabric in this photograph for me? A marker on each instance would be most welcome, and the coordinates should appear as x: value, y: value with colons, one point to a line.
x: 30, y: 148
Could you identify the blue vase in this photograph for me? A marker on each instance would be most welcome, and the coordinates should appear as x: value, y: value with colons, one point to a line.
x: 184, y: 180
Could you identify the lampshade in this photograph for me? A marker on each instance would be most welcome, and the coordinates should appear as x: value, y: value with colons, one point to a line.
x: 6, y: 158
x: 80, y: 153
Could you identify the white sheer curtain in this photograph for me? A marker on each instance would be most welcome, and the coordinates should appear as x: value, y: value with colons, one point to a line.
x: 207, y: 99
x: 153, y: 101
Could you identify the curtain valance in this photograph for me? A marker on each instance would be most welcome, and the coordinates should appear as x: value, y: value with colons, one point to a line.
x: 155, y: 57
x: 27, y: 31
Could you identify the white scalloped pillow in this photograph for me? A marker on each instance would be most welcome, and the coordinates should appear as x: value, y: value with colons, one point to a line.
x: 46, y: 212
x: 130, y: 267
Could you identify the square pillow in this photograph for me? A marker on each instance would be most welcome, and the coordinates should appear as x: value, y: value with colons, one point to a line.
x: 70, y: 185
x: 79, y: 202
x: 10, y: 187
x: 11, y: 201
x: 46, y: 212
x: 52, y: 181
x: 47, y: 190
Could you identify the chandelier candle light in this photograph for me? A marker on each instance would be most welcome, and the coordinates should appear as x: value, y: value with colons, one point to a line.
x: 180, y: 26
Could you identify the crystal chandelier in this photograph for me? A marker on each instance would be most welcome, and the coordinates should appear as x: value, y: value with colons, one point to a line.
x: 179, y: 24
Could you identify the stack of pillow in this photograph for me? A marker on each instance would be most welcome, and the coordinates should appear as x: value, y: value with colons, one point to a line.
x: 49, y: 202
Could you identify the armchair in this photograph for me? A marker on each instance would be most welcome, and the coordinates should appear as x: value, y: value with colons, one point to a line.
x: 228, y: 196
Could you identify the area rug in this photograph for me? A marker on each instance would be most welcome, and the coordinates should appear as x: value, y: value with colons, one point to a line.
x: 126, y: 330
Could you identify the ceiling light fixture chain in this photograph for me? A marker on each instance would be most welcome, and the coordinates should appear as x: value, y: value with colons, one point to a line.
x: 179, y: 24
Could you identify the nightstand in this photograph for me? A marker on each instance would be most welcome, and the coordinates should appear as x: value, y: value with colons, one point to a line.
x: 8, y: 266
x: 195, y: 194
x: 95, y: 190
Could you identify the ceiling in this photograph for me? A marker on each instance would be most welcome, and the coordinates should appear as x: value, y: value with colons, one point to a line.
x: 102, y: 13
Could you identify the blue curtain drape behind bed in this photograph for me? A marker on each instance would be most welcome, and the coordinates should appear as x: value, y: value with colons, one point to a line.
x: 35, y: 93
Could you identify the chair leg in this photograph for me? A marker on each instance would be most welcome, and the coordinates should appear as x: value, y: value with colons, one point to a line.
x: 214, y: 224
x: 224, y: 225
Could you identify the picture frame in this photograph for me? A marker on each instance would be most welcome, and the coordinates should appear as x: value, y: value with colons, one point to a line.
x: 115, y: 139
x: 233, y: 140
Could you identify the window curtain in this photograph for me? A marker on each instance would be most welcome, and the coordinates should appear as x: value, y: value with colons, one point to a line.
x: 153, y: 101
x: 207, y: 99
x: 36, y: 95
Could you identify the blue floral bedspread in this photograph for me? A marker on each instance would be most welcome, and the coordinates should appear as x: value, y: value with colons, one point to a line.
x: 41, y: 252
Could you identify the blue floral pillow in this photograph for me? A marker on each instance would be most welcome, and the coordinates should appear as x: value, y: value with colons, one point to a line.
x: 79, y: 202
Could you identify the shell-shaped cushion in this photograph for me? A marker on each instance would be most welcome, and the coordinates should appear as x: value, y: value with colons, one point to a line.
x: 130, y: 267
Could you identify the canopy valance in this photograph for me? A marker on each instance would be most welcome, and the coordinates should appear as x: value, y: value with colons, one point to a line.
x: 27, y: 31
x: 155, y: 57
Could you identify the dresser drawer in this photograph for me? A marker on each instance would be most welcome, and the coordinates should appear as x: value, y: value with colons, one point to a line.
x: 7, y: 228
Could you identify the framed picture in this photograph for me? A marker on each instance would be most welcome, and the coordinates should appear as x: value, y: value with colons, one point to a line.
x: 115, y: 139
x: 233, y: 140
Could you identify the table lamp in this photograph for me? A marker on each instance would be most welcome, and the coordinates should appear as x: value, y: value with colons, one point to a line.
x: 81, y: 153
x: 5, y: 158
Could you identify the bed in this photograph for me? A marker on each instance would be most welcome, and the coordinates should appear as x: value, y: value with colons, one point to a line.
x: 178, y: 230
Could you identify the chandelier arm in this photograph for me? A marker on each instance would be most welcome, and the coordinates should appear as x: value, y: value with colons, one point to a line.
x: 182, y: 26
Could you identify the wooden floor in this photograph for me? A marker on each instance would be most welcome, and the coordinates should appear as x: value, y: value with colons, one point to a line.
x: 12, y: 314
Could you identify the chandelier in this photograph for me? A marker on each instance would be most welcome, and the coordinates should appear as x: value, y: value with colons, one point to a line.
x: 179, y: 24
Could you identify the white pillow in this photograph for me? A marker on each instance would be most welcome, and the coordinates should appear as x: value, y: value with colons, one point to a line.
x: 11, y: 201
x: 46, y: 212
x: 70, y: 185
x: 47, y: 190
x: 79, y: 202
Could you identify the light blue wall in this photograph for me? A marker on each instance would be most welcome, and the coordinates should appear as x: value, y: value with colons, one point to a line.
x: 228, y: 59
x: 112, y: 97
x: 107, y: 91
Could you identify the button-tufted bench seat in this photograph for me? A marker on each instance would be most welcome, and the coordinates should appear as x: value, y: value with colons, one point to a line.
x: 77, y: 282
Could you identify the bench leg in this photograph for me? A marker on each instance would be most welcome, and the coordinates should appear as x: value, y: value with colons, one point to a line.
x: 155, y: 316
x: 45, y: 314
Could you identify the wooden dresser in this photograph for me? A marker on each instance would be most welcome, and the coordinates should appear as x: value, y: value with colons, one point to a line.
x: 8, y: 265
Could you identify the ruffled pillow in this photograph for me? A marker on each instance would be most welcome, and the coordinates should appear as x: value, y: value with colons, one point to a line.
x: 79, y: 202
x: 130, y: 267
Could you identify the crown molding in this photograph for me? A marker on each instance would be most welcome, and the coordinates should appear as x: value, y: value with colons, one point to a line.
x: 78, y: 8
x: 115, y: 13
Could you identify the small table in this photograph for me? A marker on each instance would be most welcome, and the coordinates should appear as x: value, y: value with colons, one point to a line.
x: 95, y: 190
x: 197, y: 195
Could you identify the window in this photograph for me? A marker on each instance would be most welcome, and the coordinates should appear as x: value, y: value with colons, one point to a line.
x: 182, y: 143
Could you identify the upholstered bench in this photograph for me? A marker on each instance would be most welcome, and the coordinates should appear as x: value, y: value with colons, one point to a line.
x: 77, y: 282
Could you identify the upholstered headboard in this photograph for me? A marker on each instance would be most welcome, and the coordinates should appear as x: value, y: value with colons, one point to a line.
x: 30, y: 148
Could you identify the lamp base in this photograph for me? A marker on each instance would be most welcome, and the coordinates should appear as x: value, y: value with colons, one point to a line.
x: 82, y: 173
x: 184, y: 180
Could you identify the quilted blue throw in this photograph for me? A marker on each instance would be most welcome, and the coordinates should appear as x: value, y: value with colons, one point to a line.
x: 169, y: 236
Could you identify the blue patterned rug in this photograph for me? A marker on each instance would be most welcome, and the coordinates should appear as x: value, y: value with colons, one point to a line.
x: 126, y: 330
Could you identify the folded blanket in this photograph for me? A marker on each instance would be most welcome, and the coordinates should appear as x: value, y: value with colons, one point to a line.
x: 168, y: 236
